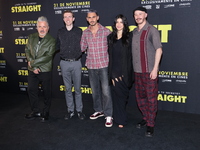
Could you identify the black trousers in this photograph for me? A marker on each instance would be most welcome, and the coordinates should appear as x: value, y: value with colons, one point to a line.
x: 33, y: 90
x: 120, y: 94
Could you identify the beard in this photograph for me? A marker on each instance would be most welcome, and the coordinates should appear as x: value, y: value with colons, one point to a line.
x: 139, y: 20
x: 93, y: 23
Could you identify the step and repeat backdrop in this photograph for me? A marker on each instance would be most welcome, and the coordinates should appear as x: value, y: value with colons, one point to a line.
x: 177, y: 21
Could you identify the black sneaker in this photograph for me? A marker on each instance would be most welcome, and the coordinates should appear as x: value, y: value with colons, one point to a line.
x: 45, y: 117
x: 32, y: 115
x: 141, y: 124
x: 81, y: 115
x: 149, y: 131
x: 69, y: 115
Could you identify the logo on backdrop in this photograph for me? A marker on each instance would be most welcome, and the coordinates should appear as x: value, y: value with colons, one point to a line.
x: 84, y: 71
x: 163, y: 28
x: 84, y: 89
x: 172, y: 77
x: 21, y: 57
x: 1, y: 34
x: 23, y: 86
x: 1, y: 50
x: 22, y: 40
x: 163, y: 4
x: 22, y: 72
x: 81, y: 6
x: 26, y: 7
x: 3, y: 78
x: 175, y: 77
x: 174, y: 97
x: 2, y: 63
x: 24, y: 25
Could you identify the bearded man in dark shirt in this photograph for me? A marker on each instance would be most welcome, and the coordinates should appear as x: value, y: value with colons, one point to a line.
x: 68, y: 41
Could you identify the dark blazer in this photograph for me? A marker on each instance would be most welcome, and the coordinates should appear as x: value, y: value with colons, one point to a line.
x: 126, y: 59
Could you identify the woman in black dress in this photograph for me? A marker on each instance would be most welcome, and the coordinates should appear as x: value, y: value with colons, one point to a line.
x: 120, y: 68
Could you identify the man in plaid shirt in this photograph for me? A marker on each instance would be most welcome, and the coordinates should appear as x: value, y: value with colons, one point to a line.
x: 94, y: 40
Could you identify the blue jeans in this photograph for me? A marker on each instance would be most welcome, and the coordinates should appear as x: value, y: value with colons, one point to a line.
x: 101, y: 93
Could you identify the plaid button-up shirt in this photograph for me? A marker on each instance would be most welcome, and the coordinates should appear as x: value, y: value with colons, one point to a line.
x: 96, y: 46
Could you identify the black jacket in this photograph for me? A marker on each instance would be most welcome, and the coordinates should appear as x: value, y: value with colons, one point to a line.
x: 126, y: 59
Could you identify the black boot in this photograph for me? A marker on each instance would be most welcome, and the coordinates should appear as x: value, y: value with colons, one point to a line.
x: 149, y: 132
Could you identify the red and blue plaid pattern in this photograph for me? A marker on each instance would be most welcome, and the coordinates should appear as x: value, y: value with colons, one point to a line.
x: 97, y: 47
x: 146, y: 95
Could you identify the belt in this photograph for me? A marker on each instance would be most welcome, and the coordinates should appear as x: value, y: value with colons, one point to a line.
x: 65, y: 59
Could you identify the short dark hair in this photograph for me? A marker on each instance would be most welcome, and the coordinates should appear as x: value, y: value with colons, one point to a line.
x: 93, y: 11
x: 68, y: 11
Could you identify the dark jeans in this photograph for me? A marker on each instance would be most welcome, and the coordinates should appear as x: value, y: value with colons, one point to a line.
x: 33, y: 81
x: 101, y: 93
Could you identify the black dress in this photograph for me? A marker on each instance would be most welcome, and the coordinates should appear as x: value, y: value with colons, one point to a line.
x: 121, y: 71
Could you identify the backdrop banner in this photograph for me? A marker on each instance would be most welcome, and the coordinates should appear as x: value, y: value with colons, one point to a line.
x: 177, y: 21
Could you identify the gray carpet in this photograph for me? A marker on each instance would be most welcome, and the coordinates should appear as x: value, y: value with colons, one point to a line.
x: 173, y: 131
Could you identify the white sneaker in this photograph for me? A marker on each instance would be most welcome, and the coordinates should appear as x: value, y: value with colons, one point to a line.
x: 96, y: 115
x: 109, y: 122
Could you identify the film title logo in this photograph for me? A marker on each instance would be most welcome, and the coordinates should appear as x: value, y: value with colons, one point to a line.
x: 1, y: 50
x: 21, y: 41
x: 164, y: 29
x: 3, y: 79
x: 172, y: 98
x: 27, y: 8
x: 84, y: 90
x: 23, y: 72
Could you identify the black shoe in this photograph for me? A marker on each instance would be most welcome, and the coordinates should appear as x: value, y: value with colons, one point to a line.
x: 32, y: 115
x: 141, y: 124
x: 45, y: 117
x: 81, y: 115
x: 69, y: 115
x: 149, y: 132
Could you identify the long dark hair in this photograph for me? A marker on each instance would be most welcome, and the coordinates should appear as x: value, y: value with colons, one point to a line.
x: 125, y: 32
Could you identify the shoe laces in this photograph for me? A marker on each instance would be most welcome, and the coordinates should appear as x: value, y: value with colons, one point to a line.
x: 96, y: 113
x: 108, y: 119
